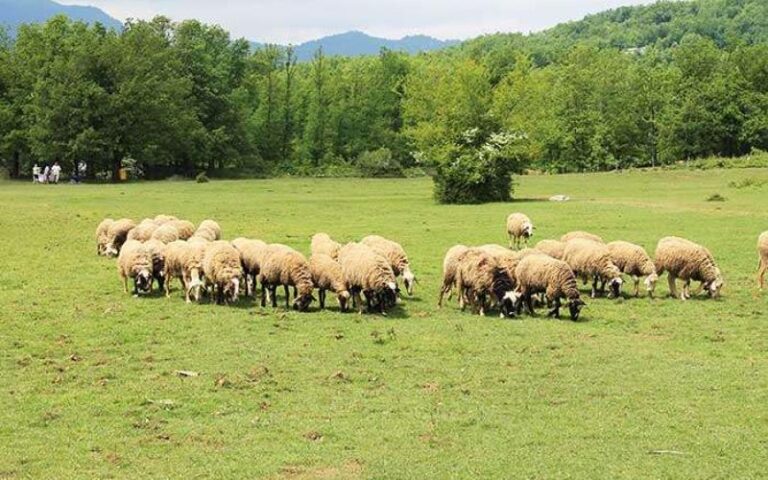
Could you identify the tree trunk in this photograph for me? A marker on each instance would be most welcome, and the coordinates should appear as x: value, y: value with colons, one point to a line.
x: 117, y: 164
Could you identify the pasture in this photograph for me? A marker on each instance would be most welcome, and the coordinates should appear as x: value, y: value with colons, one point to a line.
x: 639, y: 388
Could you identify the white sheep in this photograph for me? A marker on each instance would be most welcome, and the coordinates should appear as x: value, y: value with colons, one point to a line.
x: 117, y: 234
x: 323, y: 244
x: 450, y: 264
x: 519, y: 227
x: 135, y: 262
x: 582, y: 236
x: 367, y: 272
x: 397, y: 257
x: 687, y: 261
x: 252, y: 254
x: 553, y: 248
x: 478, y: 276
x: 634, y: 261
x: 589, y: 259
x: 221, y: 266
x: 185, y: 261
x: 289, y: 268
x: 102, y: 235
x: 554, y: 278
x: 327, y: 275
x: 156, y: 250
x: 166, y: 233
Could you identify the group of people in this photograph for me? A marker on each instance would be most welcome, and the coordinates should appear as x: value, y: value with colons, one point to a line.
x: 52, y: 174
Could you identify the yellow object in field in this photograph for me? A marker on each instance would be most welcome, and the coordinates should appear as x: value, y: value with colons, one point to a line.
x: 123, y: 174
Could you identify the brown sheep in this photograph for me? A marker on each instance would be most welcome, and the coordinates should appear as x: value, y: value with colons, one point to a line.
x: 397, y: 257
x: 221, y: 266
x: 590, y: 259
x: 368, y: 273
x: 634, y: 261
x: 252, y: 254
x: 289, y: 268
x: 544, y: 274
x: 688, y: 261
x: 327, y: 275
x: 479, y: 276
x: 135, y: 262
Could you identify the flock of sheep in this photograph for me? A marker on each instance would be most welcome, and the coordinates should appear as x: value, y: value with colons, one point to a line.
x: 166, y: 248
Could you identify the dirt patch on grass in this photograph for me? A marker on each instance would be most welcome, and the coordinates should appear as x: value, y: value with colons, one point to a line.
x: 348, y: 471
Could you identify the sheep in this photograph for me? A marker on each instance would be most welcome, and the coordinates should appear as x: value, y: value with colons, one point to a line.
x: 634, y: 261
x: 327, y: 275
x: 762, y: 250
x: 479, y: 275
x: 322, y: 243
x: 198, y: 239
x: 221, y: 267
x: 688, y: 261
x: 161, y: 220
x: 554, y: 278
x: 580, y: 235
x: 117, y: 235
x: 102, y: 235
x: 251, y: 256
x: 185, y: 261
x: 143, y: 231
x: 553, y: 248
x: 209, y: 229
x: 287, y: 267
x: 367, y: 272
x: 166, y: 233
x: 156, y: 249
x: 450, y: 264
x: 397, y: 257
x: 508, y: 259
x: 519, y: 227
x: 184, y: 228
x: 134, y: 261
x: 590, y: 259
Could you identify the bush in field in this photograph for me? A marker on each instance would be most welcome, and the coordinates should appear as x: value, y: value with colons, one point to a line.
x: 379, y: 163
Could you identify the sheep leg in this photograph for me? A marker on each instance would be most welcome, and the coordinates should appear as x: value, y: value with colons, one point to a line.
x: 636, y: 279
x: 358, y: 301
x: 481, y: 301
x: 529, y: 303
x: 287, y: 296
x: 511, y: 241
x: 555, y: 312
x: 273, y: 295
x: 672, y: 287
x: 125, y: 284
x: 321, y: 298
x: 168, y: 280
x: 594, y: 287
x: 263, y: 295
x: 761, y: 273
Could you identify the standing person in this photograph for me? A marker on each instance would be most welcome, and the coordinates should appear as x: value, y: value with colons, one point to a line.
x: 36, y: 174
x: 82, y: 169
x: 46, y: 174
x: 55, y: 172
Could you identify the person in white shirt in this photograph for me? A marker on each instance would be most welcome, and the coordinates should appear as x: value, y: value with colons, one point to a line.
x: 35, y: 174
x: 55, y: 172
x: 46, y: 174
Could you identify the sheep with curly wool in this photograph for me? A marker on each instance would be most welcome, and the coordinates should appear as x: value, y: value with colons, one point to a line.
x: 209, y: 229
x: 553, y: 277
x: 166, y: 233
x: 135, y: 262
x: 762, y: 251
x: 450, y: 264
x: 287, y: 267
x: 222, y: 270
x: 252, y: 254
x: 478, y: 276
x: 184, y: 260
x: 156, y: 250
x: 397, y: 257
x: 688, y: 261
x: 579, y: 235
x: 590, y: 259
x: 366, y: 271
x: 161, y: 219
x: 102, y: 235
x: 553, y: 248
x: 143, y: 230
x: 327, y: 275
x: 323, y: 244
x: 117, y: 235
x: 519, y: 229
x: 184, y: 228
x: 634, y: 261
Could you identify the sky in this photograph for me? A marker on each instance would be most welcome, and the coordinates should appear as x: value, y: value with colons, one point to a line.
x: 296, y: 21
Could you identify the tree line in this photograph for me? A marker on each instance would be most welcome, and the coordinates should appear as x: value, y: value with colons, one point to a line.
x: 182, y: 98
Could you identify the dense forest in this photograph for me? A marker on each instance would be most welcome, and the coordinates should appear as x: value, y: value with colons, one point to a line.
x: 635, y: 86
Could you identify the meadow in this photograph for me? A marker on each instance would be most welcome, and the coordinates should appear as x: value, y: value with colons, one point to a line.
x: 639, y: 388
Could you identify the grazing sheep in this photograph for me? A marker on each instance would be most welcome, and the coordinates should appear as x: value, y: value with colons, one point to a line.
x: 184, y: 228
x: 208, y: 229
x: 687, y: 261
x: 117, y: 235
x: 161, y: 220
x: 367, y: 272
x: 634, y: 261
x: 450, y: 264
x: 289, y: 268
x: 397, y: 257
x: 102, y: 235
x: 143, y: 231
x: 519, y: 227
x: 554, y: 278
x: 327, y: 275
x: 762, y: 250
x: 198, y: 239
x: 166, y: 233
x: 580, y: 235
x: 252, y: 253
x: 135, y: 262
x: 508, y: 259
x: 479, y: 275
x: 156, y: 249
x: 322, y: 243
x: 185, y: 261
x: 553, y: 248
x: 221, y: 267
x: 589, y: 259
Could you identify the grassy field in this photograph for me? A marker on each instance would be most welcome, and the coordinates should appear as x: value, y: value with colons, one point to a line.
x: 639, y: 389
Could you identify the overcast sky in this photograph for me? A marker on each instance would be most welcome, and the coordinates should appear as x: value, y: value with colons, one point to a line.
x: 296, y: 21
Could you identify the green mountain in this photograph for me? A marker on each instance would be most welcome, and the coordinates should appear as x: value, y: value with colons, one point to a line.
x: 16, y: 12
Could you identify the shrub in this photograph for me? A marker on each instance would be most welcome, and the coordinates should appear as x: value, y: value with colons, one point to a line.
x: 202, y: 178
x: 379, y: 163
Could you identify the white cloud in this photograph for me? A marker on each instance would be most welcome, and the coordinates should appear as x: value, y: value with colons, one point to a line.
x: 295, y: 21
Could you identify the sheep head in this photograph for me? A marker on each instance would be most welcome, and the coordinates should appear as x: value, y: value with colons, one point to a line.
x: 343, y: 298
x: 302, y: 302
x: 714, y: 287
x: 509, y: 304
x: 574, y: 307
x: 527, y: 229
x: 615, y: 286
x: 409, y: 279
x: 232, y: 289
x: 650, y: 283
x: 143, y: 281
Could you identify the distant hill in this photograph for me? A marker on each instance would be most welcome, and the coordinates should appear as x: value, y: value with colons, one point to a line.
x: 355, y: 44
x: 15, y: 12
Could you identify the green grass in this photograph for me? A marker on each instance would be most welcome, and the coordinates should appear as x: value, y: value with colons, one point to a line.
x: 88, y: 383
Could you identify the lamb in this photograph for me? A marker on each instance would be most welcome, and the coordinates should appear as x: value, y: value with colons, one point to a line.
x: 156, y: 250
x: 161, y: 220
x: 762, y: 250
x: 580, y: 235
x: 365, y: 271
x: 327, y: 275
x: 397, y: 257
x: 185, y: 261
x: 209, y: 229
x: 221, y: 267
x: 553, y: 248
x: 544, y: 274
x: 590, y: 259
x: 322, y: 243
x: 184, y: 228
x: 102, y: 235
x: 634, y: 261
x: 287, y: 267
x: 519, y: 227
x: 450, y: 264
x: 117, y: 235
x: 252, y: 254
x: 688, y: 261
x: 135, y: 262
x: 143, y: 231
x: 166, y: 233
x: 479, y: 275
